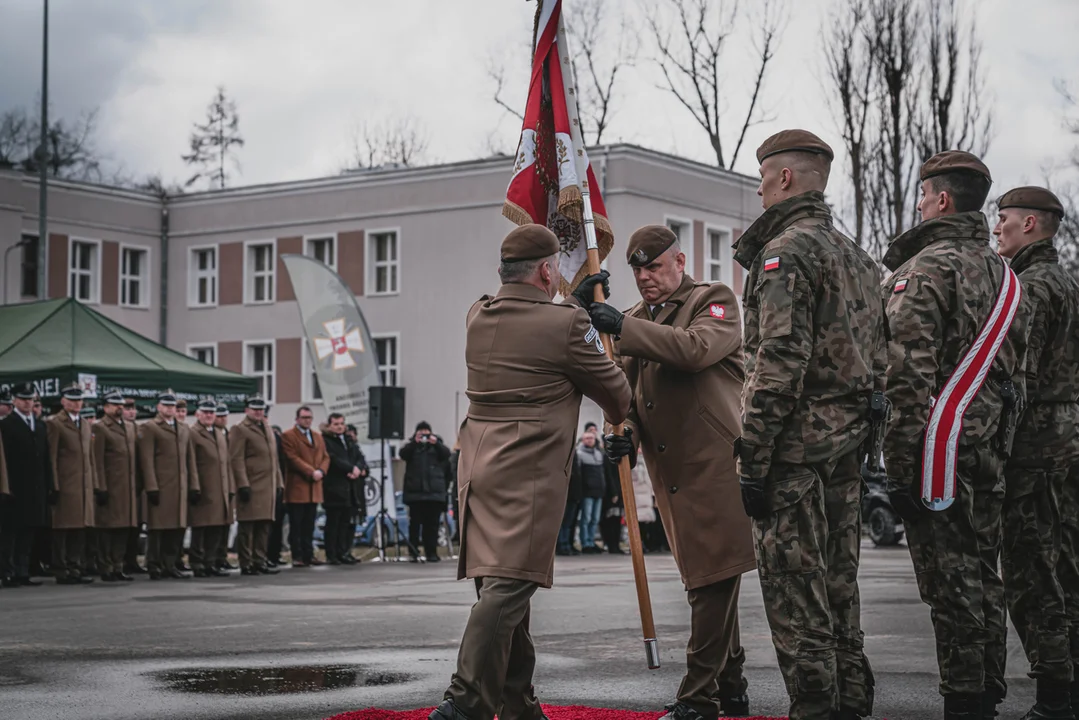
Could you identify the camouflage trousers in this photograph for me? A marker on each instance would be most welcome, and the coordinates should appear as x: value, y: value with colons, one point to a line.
x: 955, y: 554
x: 1068, y: 567
x: 808, y: 552
x: 1029, y: 559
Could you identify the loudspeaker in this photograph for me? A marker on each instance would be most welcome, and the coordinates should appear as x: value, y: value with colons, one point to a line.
x: 386, y: 413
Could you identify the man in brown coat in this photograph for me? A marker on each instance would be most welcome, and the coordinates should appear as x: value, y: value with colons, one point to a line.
x: 117, y: 503
x: 72, y: 496
x: 131, y: 553
x: 308, y: 461
x: 171, y: 481
x: 681, y: 349
x: 257, y: 476
x: 210, y: 516
x: 529, y: 362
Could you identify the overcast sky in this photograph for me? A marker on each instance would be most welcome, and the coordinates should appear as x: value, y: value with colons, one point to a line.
x: 306, y: 75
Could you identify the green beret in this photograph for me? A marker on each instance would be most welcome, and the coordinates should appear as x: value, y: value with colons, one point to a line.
x: 1032, y: 198
x: 794, y: 141
x: 954, y: 161
x: 529, y: 242
x: 648, y: 243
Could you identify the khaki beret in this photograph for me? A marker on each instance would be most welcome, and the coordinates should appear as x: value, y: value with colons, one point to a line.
x: 952, y: 161
x: 1031, y: 198
x: 529, y: 242
x: 648, y: 243
x: 794, y: 141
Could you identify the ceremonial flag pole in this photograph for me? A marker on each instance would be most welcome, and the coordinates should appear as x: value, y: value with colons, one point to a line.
x: 552, y: 185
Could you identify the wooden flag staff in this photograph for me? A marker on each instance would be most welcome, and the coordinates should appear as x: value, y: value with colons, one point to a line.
x: 625, y: 476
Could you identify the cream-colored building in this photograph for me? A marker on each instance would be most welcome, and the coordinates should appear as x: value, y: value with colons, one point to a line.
x: 201, y: 272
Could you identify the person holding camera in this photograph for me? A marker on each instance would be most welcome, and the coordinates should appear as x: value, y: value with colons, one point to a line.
x: 427, y: 471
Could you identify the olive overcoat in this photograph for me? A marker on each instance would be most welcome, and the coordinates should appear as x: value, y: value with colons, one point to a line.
x: 253, y: 461
x: 115, y: 467
x: 167, y: 461
x: 71, y: 450
x: 215, y: 477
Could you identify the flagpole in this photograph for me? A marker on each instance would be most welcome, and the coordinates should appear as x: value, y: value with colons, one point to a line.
x: 625, y: 476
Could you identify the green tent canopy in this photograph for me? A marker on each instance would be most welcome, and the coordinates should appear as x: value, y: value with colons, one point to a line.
x: 55, y: 342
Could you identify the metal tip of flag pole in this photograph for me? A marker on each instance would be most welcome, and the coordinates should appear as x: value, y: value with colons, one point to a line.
x: 651, y: 650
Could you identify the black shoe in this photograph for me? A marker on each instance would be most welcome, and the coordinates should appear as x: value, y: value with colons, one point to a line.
x: 846, y: 714
x: 415, y: 559
x: 348, y: 560
x: 680, y: 711
x: 447, y: 711
x: 67, y: 580
x: 122, y: 577
x: 734, y: 706
x: 962, y: 706
x: 990, y: 700
x: 616, y: 550
x: 155, y: 575
x: 1053, y: 702
x: 135, y: 569
x: 214, y: 572
x: 249, y: 571
x: 433, y: 558
x: 176, y: 574
x: 267, y: 570
x: 226, y: 565
x: 574, y: 551
x: 108, y: 577
x: 27, y: 582
x: 271, y: 564
x: 200, y: 573
x: 562, y: 553
x: 10, y: 583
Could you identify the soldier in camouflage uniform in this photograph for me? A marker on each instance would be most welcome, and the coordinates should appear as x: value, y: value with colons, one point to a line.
x: 814, y: 353
x: 1040, y: 583
x: 945, y: 284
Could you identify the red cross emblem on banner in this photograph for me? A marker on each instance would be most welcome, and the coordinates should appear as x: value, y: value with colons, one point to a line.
x: 339, y: 344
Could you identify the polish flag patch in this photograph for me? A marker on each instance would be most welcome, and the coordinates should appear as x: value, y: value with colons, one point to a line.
x: 718, y: 311
x: 771, y: 264
x: 900, y: 286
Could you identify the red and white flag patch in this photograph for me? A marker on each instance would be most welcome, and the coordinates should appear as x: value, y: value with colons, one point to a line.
x: 900, y: 286
x: 771, y: 264
x: 718, y: 311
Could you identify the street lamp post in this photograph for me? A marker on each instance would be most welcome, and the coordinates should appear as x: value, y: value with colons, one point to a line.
x: 22, y: 243
x: 43, y: 160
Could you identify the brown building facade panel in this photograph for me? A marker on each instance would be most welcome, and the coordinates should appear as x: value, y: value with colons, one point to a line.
x: 230, y: 273
x: 736, y: 269
x: 230, y: 355
x: 288, y: 370
x: 57, y: 265
x: 110, y: 272
x: 286, y: 246
x: 350, y: 259
x: 697, y: 271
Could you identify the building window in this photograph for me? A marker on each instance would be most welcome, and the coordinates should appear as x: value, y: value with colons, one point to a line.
x: 29, y: 266
x: 312, y: 392
x: 680, y: 230
x: 134, y: 276
x: 203, y: 277
x: 83, y: 267
x: 259, y: 365
x: 323, y: 249
x: 260, y: 273
x: 388, y: 359
x: 382, y: 251
x: 717, y: 249
x: 206, y: 354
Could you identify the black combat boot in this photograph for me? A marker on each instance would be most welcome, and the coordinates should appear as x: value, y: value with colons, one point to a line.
x: 963, y: 706
x: 681, y: 711
x: 1053, y: 702
x: 846, y: 714
x: 734, y: 706
x: 447, y: 711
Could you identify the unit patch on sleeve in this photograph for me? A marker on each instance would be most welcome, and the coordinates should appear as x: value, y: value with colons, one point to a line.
x: 592, y: 336
x: 718, y: 311
x: 900, y: 286
x: 771, y: 263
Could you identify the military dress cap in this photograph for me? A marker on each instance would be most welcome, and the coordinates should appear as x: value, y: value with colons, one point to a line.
x: 114, y: 398
x: 207, y: 406
x: 255, y: 402
x: 24, y: 391
x: 1031, y: 198
x: 72, y: 391
x: 529, y: 242
x: 794, y: 141
x: 954, y: 161
x: 221, y: 410
x: 166, y: 398
x: 129, y: 402
x: 88, y: 412
x: 648, y: 243
x: 5, y: 398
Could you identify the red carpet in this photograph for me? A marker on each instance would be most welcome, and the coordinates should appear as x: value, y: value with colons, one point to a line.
x: 554, y: 713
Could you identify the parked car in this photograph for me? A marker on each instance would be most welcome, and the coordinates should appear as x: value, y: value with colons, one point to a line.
x: 367, y: 531
x: 883, y: 523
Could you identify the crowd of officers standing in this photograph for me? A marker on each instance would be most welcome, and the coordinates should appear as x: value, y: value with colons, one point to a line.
x: 81, y: 488
x: 755, y: 440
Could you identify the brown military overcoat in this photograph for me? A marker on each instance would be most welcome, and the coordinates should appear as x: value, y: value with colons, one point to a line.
x: 115, y: 466
x: 5, y: 486
x: 685, y: 368
x: 303, y: 459
x: 167, y: 460
x: 215, y: 477
x: 529, y: 362
x: 72, y: 451
x: 253, y: 460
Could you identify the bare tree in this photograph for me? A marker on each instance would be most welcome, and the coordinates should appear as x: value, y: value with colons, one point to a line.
x: 1064, y: 181
x: 496, y: 72
x: 71, y: 153
x: 397, y: 142
x: 212, y: 142
x: 598, y: 60
x: 689, y: 57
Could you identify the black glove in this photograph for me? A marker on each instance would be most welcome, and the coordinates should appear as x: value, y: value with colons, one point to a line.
x: 619, y: 446
x: 102, y: 497
x: 586, y: 291
x: 154, y: 496
x: 755, y: 497
x: 605, y: 318
x: 54, y: 497
x: 244, y: 494
x: 904, y: 503
x: 193, y: 496
x: 280, y: 495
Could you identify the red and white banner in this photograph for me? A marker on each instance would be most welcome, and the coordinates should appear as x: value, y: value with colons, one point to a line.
x: 946, y: 419
x: 546, y: 184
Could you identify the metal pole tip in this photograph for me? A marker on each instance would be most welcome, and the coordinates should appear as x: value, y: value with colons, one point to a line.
x: 651, y: 650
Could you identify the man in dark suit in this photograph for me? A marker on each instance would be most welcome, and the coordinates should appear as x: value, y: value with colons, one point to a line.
x: 25, y: 509
x: 342, y: 491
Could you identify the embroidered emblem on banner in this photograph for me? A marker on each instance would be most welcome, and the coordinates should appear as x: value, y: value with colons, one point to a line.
x: 718, y: 311
x: 771, y: 264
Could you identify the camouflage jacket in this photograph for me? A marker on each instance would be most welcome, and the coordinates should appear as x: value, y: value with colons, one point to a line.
x: 814, y: 337
x: 945, y: 283
x: 1049, y: 428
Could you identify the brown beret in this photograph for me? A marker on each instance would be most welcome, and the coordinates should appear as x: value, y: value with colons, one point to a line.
x: 794, y: 141
x: 529, y: 242
x: 952, y: 161
x: 648, y: 243
x: 1031, y: 198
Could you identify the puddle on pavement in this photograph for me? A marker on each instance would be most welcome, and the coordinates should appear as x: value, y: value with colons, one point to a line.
x: 276, y: 680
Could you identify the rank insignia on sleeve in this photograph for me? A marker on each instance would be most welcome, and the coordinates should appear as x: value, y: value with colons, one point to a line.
x: 718, y: 311
x: 592, y: 337
x: 900, y: 286
x: 771, y: 264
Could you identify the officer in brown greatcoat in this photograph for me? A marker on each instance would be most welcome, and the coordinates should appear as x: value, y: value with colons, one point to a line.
x: 681, y: 349
x: 117, y: 502
x: 171, y: 481
x: 72, y: 497
x: 210, y: 517
x: 221, y: 423
x: 257, y: 476
x: 131, y: 553
x: 529, y: 362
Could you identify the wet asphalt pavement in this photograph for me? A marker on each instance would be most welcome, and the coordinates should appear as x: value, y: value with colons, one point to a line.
x: 309, y: 643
